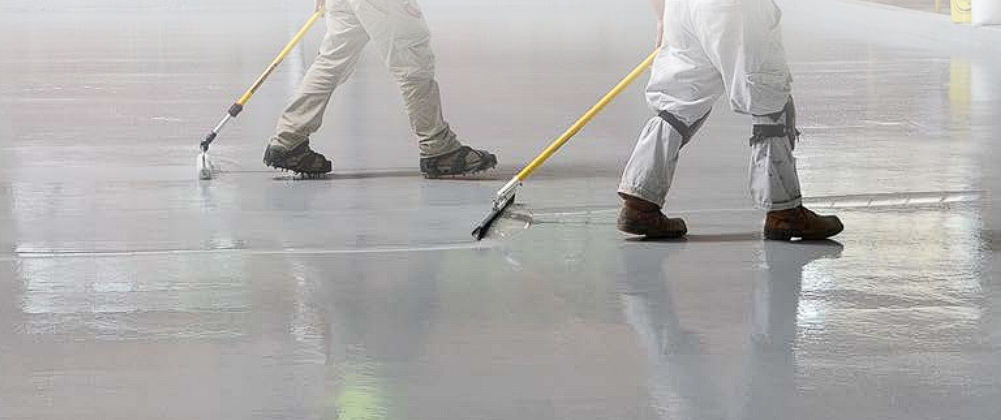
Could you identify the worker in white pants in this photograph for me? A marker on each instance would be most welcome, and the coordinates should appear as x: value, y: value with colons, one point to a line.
x: 399, y: 30
x: 710, y: 48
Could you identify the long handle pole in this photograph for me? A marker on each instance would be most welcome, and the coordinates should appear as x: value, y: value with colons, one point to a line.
x: 237, y: 107
x: 579, y: 125
x: 281, y: 57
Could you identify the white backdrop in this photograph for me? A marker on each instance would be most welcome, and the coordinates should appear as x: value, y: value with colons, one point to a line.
x: 986, y: 12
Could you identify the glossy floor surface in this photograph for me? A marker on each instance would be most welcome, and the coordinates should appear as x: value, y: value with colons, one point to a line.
x: 128, y: 290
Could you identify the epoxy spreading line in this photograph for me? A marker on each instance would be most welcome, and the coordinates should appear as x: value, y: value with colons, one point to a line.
x: 22, y: 253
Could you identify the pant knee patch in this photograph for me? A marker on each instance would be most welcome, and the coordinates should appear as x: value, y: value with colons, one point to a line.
x: 686, y: 131
x: 779, y: 124
x: 764, y: 131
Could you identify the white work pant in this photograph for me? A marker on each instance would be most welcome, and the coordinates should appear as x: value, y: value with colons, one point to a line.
x: 398, y: 29
x: 714, y: 47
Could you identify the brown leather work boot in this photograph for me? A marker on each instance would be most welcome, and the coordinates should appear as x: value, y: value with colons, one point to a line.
x: 643, y: 218
x: 801, y: 223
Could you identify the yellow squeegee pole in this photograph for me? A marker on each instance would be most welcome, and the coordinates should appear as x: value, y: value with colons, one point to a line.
x: 583, y: 121
x: 281, y: 57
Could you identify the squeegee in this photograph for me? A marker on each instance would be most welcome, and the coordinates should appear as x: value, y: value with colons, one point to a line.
x: 505, y: 196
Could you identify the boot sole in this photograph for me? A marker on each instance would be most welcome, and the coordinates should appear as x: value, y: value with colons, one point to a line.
x: 480, y: 169
x: 272, y: 158
x: 786, y: 235
x: 637, y: 231
x: 307, y: 175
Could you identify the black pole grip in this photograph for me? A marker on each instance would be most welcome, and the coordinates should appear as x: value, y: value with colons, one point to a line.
x: 208, y: 140
x: 235, y: 110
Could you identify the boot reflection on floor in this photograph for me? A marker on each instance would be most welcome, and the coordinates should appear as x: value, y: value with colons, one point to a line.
x: 678, y: 361
x: 681, y: 364
x: 771, y: 374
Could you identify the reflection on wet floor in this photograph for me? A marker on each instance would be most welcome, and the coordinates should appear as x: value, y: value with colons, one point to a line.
x: 644, y: 330
x: 680, y: 358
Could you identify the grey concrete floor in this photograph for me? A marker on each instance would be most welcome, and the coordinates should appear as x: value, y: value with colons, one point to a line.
x: 128, y: 290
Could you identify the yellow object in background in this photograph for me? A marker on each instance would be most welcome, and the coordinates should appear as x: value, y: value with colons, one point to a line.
x: 961, y: 11
x: 961, y: 95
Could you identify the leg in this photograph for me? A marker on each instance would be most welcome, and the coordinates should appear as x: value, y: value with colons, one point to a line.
x: 650, y: 170
x: 648, y: 177
x: 398, y: 29
x: 743, y: 41
x: 774, y: 182
x: 682, y: 90
x: 341, y: 48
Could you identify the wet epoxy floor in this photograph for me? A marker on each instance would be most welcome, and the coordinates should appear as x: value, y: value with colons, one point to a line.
x: 129, y: 290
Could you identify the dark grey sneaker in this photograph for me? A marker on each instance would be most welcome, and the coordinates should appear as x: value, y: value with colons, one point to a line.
x: 464, y: 161
x: 301, y: 160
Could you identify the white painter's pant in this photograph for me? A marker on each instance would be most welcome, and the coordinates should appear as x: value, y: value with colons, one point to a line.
x: 401, y: 35
x: 716, y: 47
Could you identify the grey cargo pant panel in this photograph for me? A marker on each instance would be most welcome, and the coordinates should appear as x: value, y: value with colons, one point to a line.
x: 398, y: 30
